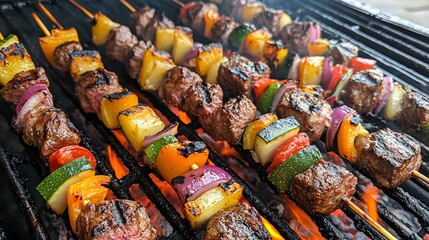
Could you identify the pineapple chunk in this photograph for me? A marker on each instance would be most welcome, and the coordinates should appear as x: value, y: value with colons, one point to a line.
x: 154, y: 66
x: 84, y: 61
x: 138, y: 122
x: 183, y: 42
x: 250, y: 11
x: 254, y: 43
x: 207, y: 56
x: 213, y: 71
x: 164, y: 39
x: 9, y: 40
x: 199, y: 211
x: 285, y: 19
x: 101, y: 28
x: 114, y: 103
x: 57, y: 38
x: 14, y: 59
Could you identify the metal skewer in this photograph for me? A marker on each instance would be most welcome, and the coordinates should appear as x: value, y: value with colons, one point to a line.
x: 40, y: 23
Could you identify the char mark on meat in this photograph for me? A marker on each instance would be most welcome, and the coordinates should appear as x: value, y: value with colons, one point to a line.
x: 147, y: 20
x: 237, y: 75
x: 344, y: 52
x: 310, y: 111
x: 202, y: 99
x: 22, y: 81
x: 119, y: 43
x: 415, y: 111
x: 114, y: 219
x: 176, y: 81
x: 62, y: 55
x: 296, y: 36
x: 388, y: 158
x: 238, y: 222
x: 321, y: 188
x: 93, y: 85
x: 364, y: 90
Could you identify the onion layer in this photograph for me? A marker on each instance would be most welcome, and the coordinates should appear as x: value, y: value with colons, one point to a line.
x: 327, y: 72
x: 280, y: 92
x: 388, y: 87
x: 338, y: 115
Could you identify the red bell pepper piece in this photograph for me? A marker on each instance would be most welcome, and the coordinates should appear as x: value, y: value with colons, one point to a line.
x: 260, y: 86
x: 337, y: 73
x: 69, y: 153
x: 360, y: 64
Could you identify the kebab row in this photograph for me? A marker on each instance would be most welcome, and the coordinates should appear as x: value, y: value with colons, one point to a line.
x: 367, y: 93
x: 207, y: 192
x: 72, y: 182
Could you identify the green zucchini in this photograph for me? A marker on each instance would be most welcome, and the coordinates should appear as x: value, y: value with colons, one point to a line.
x: 394, y: 103
x: 343, y: 81
x: 152, y: 150
x: 264, y: 104
x: 283, y: 174
x: 271, y: 137
x: 54, y: 187
x: 240, y: 33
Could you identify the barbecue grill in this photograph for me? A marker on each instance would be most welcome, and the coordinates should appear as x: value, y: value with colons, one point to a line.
x: 400, y: 49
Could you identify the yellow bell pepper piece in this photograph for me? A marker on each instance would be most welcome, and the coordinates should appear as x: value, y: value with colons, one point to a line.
x: 114, y: 103
x: 58, y: 37
x: 346, y: 138
x: 311, y: 70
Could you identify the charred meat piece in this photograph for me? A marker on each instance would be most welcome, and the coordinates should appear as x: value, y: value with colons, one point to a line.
x: 114, y: 219
x: 202, y: 98
x: 364, y: 91
x: 415, y: 111
x: 238, y: 222
x: 230, y: 120
x: 233, y: 8
x: 344, y: 52
x: 54, y: 131
x: 119, y: 43
x: 133, y: 62
x: 22, y: 81
x: 93, y: 85
x: 270, y: 18
x: 222, y: 29
x: 62, y: 55
x: 194, y: 16
x: 147, y: 20
x: 296, y: 36
x: 311, y: 112
x: 28, y: 135
x: 176, y: 81
x: 387, y: 157
x: 321, y: 187
x: 237, y: 75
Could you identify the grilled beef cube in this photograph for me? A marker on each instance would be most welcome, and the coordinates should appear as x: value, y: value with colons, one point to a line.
x: 415, y: 111
x: 114, y: 219
x: 62, y: 55
x: 311, y: 112
x: 22, y: 81
x: 237, y: 75
x: 54, y: 131
x: 233, y: 8
x: 364, y: 90
x: 93, y: 85
x: 387, y: 157
x: 229, y: 121
x: 194, y: 16
x: 119, y: 43
x: 201, y: 98
x: 133, y: 62
x: 28, y: 135
x: 296, y: 36
x: 270, y: 18
x: 321, y: 187
x: 238, y: 222
x: 343, y: 53
x: 222, y: 29
x: 176, y: 81
x: 147, y: 20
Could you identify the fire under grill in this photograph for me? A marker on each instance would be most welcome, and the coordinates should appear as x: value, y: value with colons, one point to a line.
x: 400, y: 52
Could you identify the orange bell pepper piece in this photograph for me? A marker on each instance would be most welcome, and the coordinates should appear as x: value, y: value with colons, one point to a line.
x: 83, y: 192
x: 178, y: 158
x: 346, y: 138
x: 311, y: 70
x: 58, y: 37
x: 318, y: 47
x: 210, y: 18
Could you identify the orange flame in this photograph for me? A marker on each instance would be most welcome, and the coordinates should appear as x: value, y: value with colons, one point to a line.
x: 168, y: 191
x: 371, y: 193
x: 275, y: 235
x: 182, y: 115
x: 118, y: 166
x: 301, y: 222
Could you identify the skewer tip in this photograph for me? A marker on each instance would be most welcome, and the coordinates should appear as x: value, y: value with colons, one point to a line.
x: 128, y: 5
x: 1, y: 36
x: 420, y: 176
x: 40, y: 24
x: 80, y: 7
x: 178, y: 2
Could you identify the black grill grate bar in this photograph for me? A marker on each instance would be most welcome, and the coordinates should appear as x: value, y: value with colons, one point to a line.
x: 24, y: 198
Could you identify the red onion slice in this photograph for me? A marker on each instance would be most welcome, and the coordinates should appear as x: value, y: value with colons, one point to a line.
x: 327, y: 72
x: 285, y: 86
x: 169, y: 130
x: 388, y: 87
x: 198, y: 181
x: 294, y: 69
x: 314, y: 32
x: 28, y: 94
x: 338, y: 115
x: 191, y: 55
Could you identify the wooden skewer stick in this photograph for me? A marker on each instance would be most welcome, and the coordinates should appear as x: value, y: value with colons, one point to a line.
x: 420, y: 176
x: 40, y: 23
x: 50, y: 16
x: 178, y: 2
x: 80, y: 7
x: 368, y: 219
x: 1, y: 36
x: 128, y: 5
